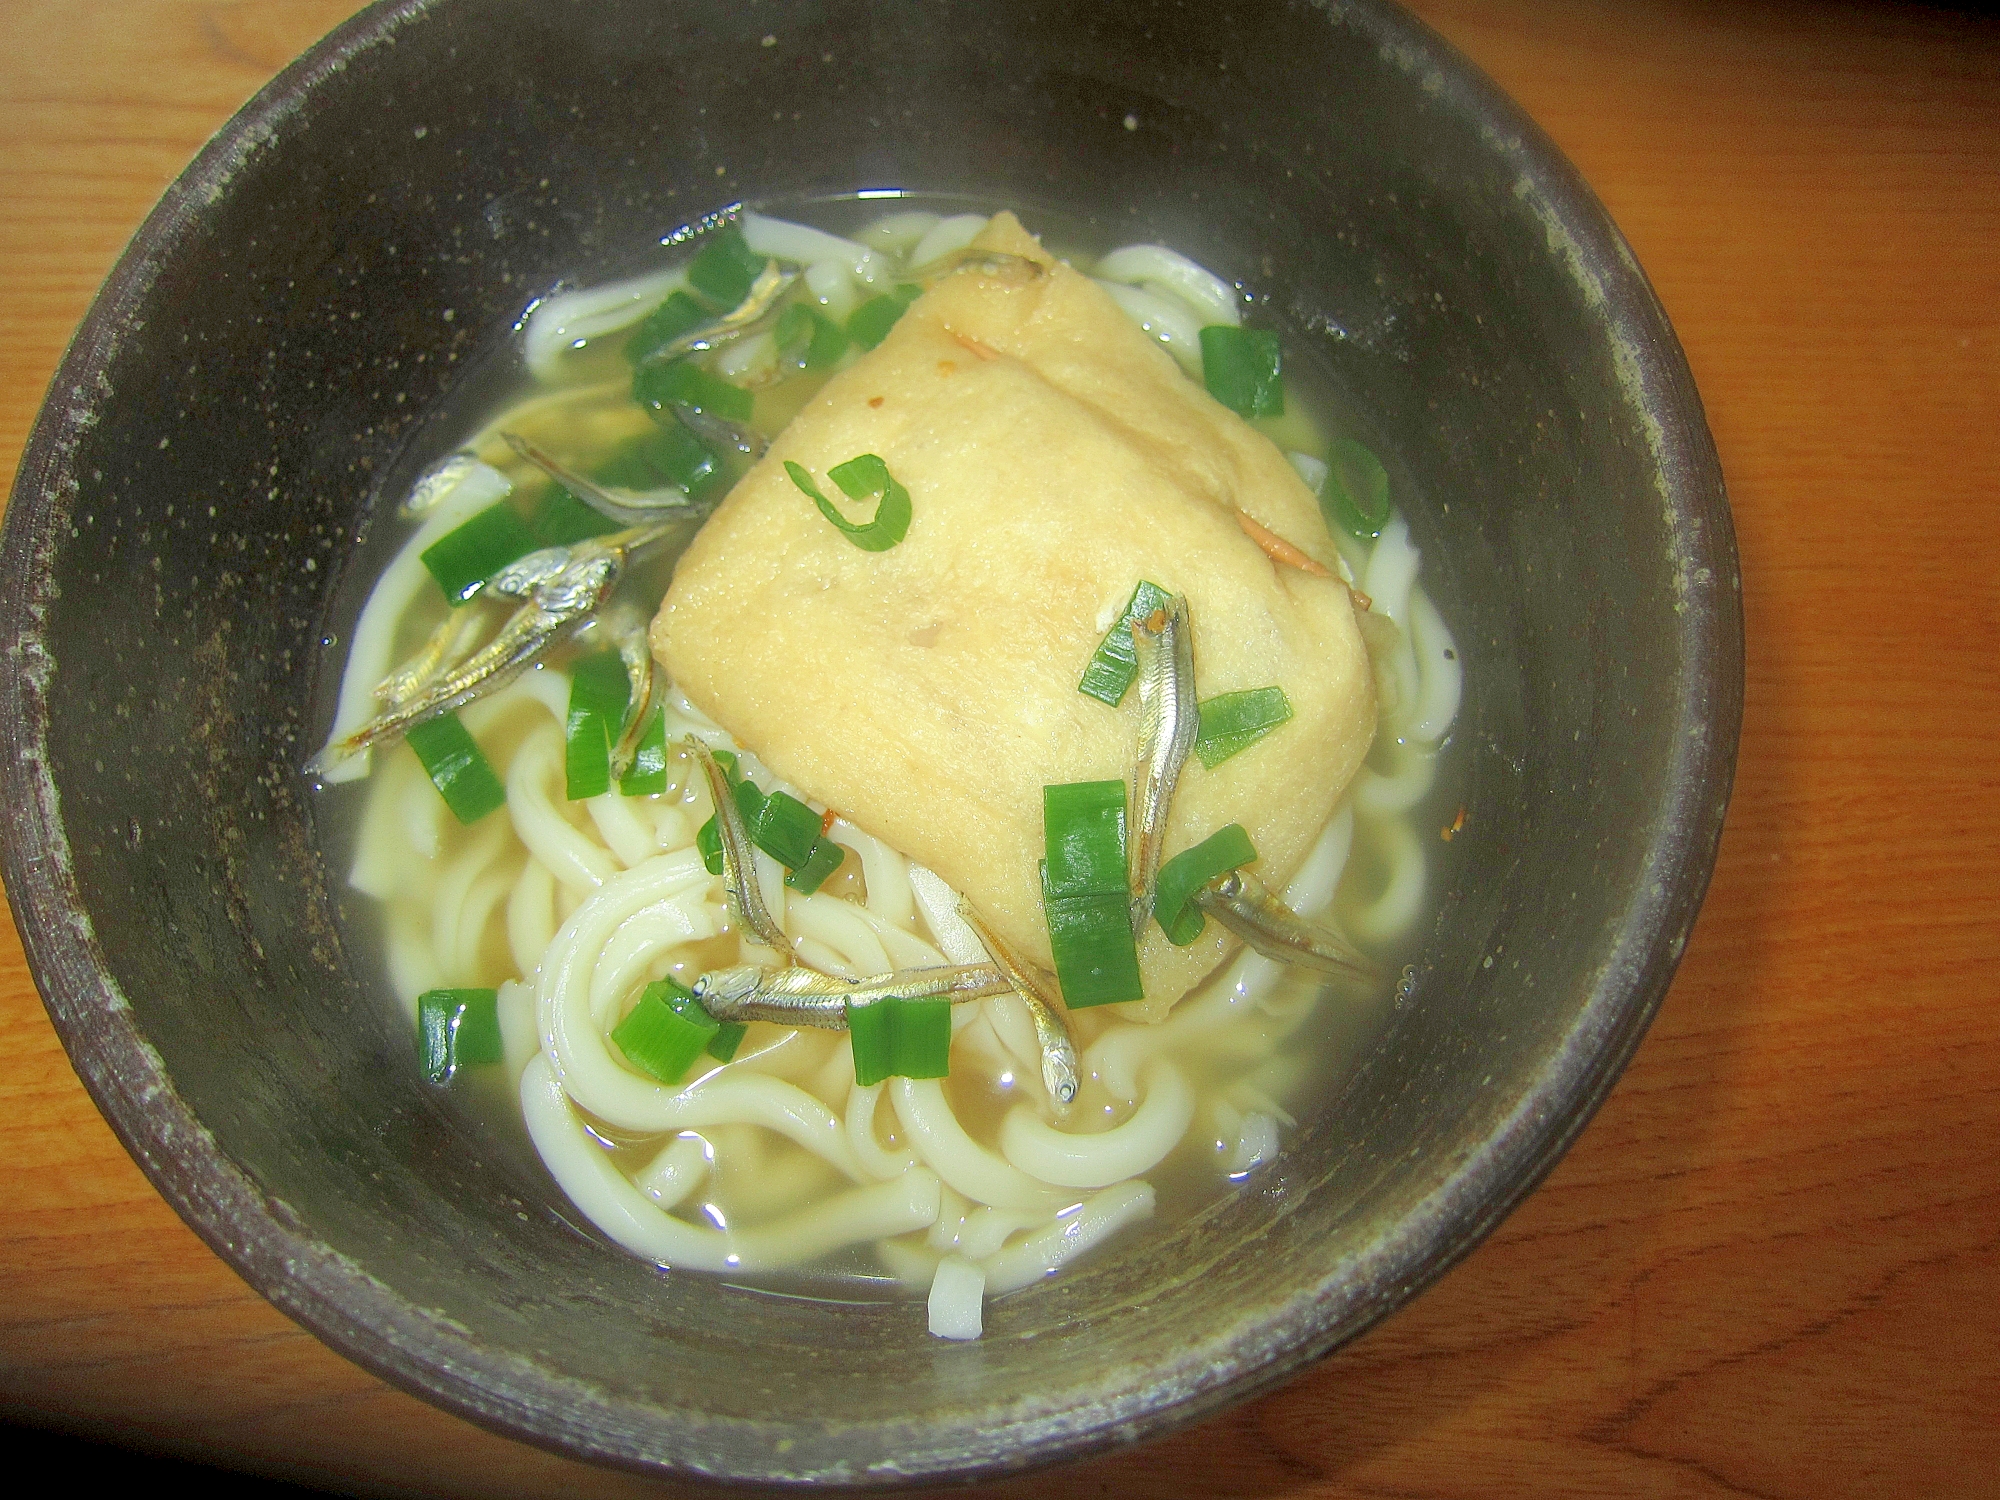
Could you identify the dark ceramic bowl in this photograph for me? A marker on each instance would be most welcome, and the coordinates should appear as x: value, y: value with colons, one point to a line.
x: 312, y: 287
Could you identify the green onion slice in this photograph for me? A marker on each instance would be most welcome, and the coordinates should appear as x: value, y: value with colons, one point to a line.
x: 1190, y: 870
x: 599, y: 692
x: 666, y: 1031
x: 859, y: 478
x: 783, y: 827
x: 1358, y: 499
x: 870, y: 323
x: 1097, y: 962
x: 681, y: 383
x: 1083, y: 831
x: 1235, y: 721
x: 464, y: 558
x: 648, y: 776
x: 457, y: 1028
x: 728, y: 1037
x: 1240, y: 367
x: 786, y: 829
x: 1084, y: 893
x: 664, y: 324
x: 871, y: 1036
x: 667, y: 455
x: 821, y: 864
x: 900, y: 1039
x: 923, y: 1038
x: 726, y: 269
x: 562, y: 520
x: 824, y: 339
x: 1116, y: 661
x: 457, y: 767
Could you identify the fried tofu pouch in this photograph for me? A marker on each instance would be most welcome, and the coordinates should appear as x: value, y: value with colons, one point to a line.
x: 1055, y: 456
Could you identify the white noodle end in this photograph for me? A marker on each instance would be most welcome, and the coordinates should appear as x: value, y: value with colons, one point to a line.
x: 1256, y: 1143
x: 515, y: 1004
x: 958, y: 1294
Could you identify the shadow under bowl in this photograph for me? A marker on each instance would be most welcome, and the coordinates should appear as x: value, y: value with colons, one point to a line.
x: 314, y: 285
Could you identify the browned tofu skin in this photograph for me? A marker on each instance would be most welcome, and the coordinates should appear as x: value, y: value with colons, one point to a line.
x: 1055, y: 455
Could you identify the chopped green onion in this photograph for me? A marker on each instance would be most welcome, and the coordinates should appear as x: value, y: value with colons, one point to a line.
x: 455, y: 1029
x: 871, y: 1038
x: 859, y: 478
x: 599, y: 692
x: 1084, y: 893
x: 1190, y: 870
x: 822, y: 862
x: 648, y: 776
x: 457, y: 768
x: 664, y: 324
x: 562, y: 520
x: 923, y: 1038
x: 749, y: 803
x: 870, y: 323
x: 463, y: 559
x: 728, y: 1037
x: 1240, y: 367
x: 657, y: 387
x: 726, y: 268
x: 900, y: 1039
x: 825, y: 340
x: 666, y: 1031
x: 1097, y: 962
x: 1116, y: 661
x: 781, y: 825
x: 1083, y: 829
x: 667, y: 455
x: 1234, y: 721
x: 1358, y: 499
x: 786, y: 829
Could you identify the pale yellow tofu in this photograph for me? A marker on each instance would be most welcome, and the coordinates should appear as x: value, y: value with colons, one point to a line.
x: 1055, y: 456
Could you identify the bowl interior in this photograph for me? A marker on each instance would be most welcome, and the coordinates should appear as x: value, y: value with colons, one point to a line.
x: 314, y: 288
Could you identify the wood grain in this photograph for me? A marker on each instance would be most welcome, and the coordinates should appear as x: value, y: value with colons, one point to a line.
x: 1771, y: 1266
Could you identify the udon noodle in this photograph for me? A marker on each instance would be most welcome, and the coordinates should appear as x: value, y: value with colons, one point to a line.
x: 777, y: 1161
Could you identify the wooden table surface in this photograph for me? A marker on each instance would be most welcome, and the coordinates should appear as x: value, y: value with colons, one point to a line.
x: 1771, y: 1266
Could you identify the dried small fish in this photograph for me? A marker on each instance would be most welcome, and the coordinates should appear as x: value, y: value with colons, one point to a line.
x: 450, y: 641
x: 1168, y: 722
x: 739, y: 862
x: 806, y: 997
x: 562, y: 587
x: 1243, y: 904
x: 644, y: 676
x: 1059, y: 1064
x: 717, y: 433
x: 626, y: 507
x: 745, y: 318
x: 520, y: 578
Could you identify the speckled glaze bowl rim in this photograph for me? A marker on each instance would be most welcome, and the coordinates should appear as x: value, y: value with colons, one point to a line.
x: 371, y: 1324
